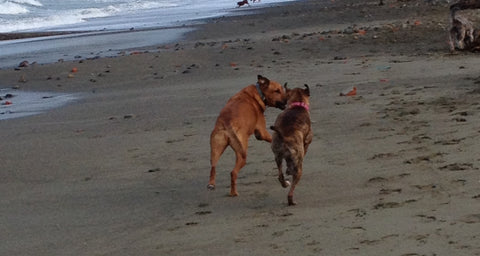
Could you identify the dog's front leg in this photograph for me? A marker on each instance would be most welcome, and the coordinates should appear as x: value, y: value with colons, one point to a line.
x: 259, y: 135
x: 261, y: 132
x: 451, y: 39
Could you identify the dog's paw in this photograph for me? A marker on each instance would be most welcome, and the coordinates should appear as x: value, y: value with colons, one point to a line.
x: 290, y: 201
x: 287, y: 183
x: 211, y: 187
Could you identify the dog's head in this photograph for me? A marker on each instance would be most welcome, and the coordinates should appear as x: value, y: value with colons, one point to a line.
x: 298, y: 95
x: 273, y: 92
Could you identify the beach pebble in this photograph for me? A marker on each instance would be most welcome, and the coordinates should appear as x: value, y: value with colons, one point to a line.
x: 348, y: 31
x: 198, y: 44
x: 24, y: 64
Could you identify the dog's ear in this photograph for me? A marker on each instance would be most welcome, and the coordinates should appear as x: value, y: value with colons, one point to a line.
x: 263, y: 81
x: 307, y: 90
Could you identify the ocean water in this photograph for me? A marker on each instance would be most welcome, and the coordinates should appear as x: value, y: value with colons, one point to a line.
x: 83, y: 15
x: 30, y: 103
x: 104, y: 26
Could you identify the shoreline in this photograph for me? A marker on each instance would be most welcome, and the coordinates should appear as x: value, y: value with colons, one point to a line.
x: 84, y: 45
x: 25, y: 35
x: 13, y: 43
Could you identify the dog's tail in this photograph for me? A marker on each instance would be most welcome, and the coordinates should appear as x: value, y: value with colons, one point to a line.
x: 463, y: 5
x: 275, y: 129
x: 453, y: 9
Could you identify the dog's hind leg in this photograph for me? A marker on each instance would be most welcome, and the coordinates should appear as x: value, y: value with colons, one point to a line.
x: 218, y: 144
x: 281, y: 178
x: 278, y: 151
x: 239, y: 145
x: 241, y: 160
x: 296, y: 179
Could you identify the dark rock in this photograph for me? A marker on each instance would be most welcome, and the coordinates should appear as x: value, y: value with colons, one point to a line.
x: 24, y: 64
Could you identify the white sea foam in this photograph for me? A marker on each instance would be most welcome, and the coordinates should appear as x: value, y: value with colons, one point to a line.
x: 38, y: 23
x: 21, y: 15
x: 27, y: 2
x: 11, y: 8
x: 36, y: 15
x: 61, y: 18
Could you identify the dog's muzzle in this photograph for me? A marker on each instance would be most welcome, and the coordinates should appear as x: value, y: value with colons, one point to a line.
x: 280, y: 104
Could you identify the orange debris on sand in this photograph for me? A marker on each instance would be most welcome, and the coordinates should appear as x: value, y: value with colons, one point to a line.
x: 351, y: 92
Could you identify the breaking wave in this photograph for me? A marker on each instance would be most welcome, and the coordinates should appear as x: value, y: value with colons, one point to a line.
x: 18, y: 15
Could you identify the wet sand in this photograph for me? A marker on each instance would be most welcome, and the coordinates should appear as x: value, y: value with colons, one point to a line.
x: 41, y: 48
x: 393, y: 170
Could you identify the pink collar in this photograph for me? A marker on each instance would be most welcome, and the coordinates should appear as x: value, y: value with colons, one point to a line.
x: 300, y: 104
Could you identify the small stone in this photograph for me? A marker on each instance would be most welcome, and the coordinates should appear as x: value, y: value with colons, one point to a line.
x: 23, y: 64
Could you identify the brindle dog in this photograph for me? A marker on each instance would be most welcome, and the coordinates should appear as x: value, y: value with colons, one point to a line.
x: 463, y: 5
x: 461, y: 33
x: 292, y: 136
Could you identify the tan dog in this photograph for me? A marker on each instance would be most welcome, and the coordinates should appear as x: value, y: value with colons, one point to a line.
x: 242, y: 116
x: 292, y: 136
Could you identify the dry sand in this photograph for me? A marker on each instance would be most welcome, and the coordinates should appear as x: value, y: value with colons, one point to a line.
x: 123, y: 170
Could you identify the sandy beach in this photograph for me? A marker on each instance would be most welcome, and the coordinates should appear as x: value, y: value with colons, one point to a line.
x: 123, y: 169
